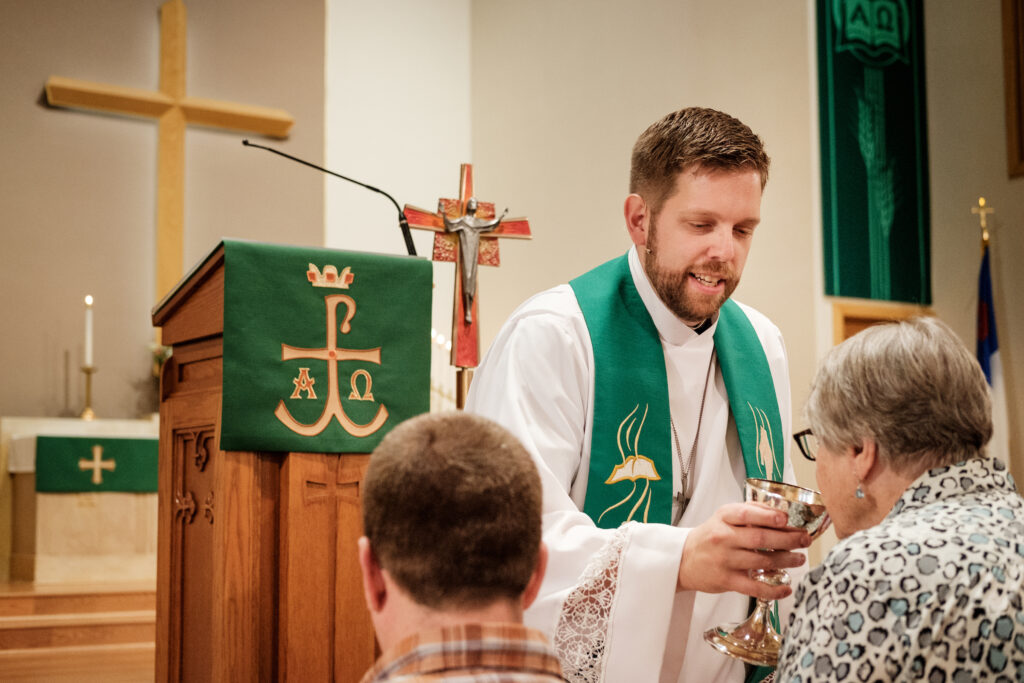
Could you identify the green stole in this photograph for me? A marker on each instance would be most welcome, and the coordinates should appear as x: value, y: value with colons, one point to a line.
x: 630, y: 476
x: 631, y: 400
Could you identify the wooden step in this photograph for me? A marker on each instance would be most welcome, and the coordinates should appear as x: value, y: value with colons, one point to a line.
x: 77, y: 632
x: 20, y: 599
x: 87, y: 664
x: 90, y: 628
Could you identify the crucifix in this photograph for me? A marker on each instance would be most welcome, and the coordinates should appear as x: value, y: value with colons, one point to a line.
x: 97, y: 464
x: 982, y: 212
x: 466, y: 231
x: 174, y: 111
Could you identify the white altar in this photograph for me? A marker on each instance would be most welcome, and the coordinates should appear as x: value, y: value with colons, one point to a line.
x: 71, y: 537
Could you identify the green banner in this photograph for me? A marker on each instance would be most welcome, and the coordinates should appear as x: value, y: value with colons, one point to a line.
x: 324, y: 350
x: 874, y: 149
x: 73, y: 464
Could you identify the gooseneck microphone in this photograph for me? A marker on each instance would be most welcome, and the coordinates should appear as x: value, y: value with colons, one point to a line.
x: 402, y: 223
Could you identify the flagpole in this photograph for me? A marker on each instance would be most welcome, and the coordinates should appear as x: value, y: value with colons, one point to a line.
x: 988, y: 343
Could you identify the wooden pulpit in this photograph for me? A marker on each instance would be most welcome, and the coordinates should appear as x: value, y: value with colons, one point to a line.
x: 257, y: 574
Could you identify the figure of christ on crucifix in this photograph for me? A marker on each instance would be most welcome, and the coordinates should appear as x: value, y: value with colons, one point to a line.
x: 466, y: 232
x: 469, y: 229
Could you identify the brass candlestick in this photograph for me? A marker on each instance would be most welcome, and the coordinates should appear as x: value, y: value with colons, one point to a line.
x: 87, y: 412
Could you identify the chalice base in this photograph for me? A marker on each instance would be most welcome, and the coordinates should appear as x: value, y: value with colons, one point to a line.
x: 754, y: 641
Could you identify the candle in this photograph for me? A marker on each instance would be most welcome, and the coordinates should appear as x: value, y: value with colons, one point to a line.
x: 88, y: 331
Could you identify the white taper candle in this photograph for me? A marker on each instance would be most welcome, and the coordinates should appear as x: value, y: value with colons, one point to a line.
x: 88, y: 330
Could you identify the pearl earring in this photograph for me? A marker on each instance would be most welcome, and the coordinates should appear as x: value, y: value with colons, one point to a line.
x: 859, y: 492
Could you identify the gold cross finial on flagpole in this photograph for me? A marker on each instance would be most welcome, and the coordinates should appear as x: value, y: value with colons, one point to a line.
x: 983, y: 211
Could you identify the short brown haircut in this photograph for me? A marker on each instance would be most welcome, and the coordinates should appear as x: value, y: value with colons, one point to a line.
x: 452, y: 508
x: 694, y: 136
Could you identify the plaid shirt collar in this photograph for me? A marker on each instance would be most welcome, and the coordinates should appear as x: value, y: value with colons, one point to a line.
x: 468, y: 649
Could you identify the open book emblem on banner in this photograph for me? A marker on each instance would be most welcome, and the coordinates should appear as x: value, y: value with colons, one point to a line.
x: 876, y: 31
x: 332, y: 354
x: 633, y: 466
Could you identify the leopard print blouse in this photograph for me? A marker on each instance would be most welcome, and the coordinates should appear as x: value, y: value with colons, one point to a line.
x: 932, y: 593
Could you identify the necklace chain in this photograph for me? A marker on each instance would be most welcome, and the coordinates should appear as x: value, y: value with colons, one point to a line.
x: 686, y: 468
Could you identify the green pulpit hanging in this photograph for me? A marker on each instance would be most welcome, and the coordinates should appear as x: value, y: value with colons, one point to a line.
x: 324, y: 350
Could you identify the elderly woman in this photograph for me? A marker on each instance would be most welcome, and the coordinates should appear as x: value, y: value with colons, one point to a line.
x: 927, y: 582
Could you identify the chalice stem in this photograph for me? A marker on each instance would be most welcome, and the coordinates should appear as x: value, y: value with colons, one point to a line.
x: 759, y: 622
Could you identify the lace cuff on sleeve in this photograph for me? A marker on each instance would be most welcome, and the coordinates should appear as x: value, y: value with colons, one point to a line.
x: 581, y: 635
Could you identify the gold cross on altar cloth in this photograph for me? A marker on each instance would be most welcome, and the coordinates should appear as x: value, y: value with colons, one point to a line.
x: 97, y: 464
x: 447, y: 247
x: 175, y: 111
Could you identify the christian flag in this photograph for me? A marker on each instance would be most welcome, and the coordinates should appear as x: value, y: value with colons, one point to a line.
x: 988, y: 357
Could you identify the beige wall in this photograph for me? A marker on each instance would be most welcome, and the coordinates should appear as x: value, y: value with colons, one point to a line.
x: 77, y: 190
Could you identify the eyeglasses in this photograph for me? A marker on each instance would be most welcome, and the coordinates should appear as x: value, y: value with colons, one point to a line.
x: 808, y: 444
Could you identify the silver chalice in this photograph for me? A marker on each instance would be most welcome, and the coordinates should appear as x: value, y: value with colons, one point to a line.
x: 755, y: 640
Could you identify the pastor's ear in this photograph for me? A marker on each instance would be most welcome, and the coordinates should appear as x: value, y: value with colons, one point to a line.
x: 637, y: 217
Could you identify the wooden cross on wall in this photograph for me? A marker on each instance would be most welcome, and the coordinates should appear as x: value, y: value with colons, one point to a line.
x: 174, y: 111
x: 447, y: 246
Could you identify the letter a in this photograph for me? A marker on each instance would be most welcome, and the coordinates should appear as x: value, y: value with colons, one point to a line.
x: 303, y: 383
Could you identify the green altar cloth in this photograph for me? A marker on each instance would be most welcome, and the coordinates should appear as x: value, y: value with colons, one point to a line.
x: 75, y: 464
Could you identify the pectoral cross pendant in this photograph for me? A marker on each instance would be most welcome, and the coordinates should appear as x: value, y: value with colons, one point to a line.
x: 681, y: 501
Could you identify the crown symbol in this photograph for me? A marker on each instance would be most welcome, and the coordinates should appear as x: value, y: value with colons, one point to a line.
x: 330, y: 277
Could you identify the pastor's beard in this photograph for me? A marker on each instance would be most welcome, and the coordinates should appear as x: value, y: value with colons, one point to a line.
x: 672, y: 288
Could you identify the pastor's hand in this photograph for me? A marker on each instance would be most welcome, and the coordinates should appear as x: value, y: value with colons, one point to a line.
x: 719, y: 554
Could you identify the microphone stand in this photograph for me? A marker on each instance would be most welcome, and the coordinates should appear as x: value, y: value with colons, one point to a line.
x: 402, y: 222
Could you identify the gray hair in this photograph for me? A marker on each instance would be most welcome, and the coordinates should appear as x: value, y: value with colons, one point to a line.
x: 912, y: 387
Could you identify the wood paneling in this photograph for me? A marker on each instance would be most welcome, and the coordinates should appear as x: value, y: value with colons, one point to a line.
x: 850, y: 317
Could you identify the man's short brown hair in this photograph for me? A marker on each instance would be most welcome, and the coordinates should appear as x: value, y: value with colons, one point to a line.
x: 694, y: 136
x: 452, y: 508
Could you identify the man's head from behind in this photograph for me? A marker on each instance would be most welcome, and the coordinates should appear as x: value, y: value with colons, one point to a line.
x: 452, y: 518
